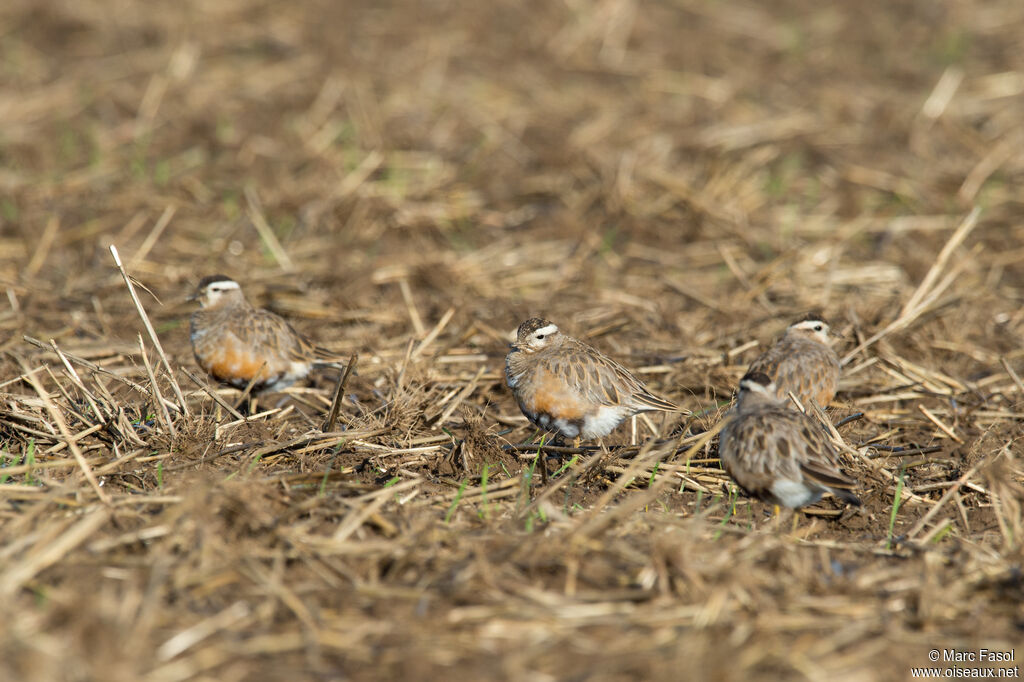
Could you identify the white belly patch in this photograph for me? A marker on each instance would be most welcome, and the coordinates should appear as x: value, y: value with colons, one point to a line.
x: 603, y: 422
x: 794, y: 494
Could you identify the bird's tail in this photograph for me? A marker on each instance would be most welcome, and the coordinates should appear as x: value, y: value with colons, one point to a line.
x: 327, y: 358
x: 648, y: 401
x: 832, y: 480
x: 846, y: 496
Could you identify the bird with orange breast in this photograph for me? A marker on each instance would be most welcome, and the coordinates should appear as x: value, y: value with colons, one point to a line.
x: 569, y: 388
x: 803, y: 362
x: 237, y: 343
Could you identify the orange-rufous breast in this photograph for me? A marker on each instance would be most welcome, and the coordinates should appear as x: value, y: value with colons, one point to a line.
x: 232, y: 361
x: 551, y: 395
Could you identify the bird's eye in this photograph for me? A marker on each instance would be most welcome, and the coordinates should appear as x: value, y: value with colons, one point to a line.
x: 818, y: 327
x: 540, y: 337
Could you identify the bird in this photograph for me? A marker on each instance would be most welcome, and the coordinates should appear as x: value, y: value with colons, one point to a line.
x: 565, y: 386
x: 803, y: 362
x: 237, y: 343
x: 778, y: 454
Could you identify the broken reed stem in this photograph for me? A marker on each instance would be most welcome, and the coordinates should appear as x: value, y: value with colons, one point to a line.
x: 20, y: 469
x: 244, y: 398
x: 75, y: 379
x: 154, y: 235
x: 46, y: 553
x: 101, y: 370
x: 939, y: 423
x: 376, y: 500
x: 555, y: 449
x: 58, y: 419
x: 569, y: 476
x: 43, y: 248
x: 463, y: 394
x: 927, y: 291
x: 189, y: 637
x: 957, y: 238
x: 432, y: 336
x: 266, y: 232
x: 149, y: 329
x: 70, y: 404
x: 400, y: 381
x: 61, y: 445
x: 946, y: 497
x: 595, y: 520
x: 1013, y: 375
x: 410, y: 305
x: 164, y: 415
x: 213, y: 394
x: 339, y: 394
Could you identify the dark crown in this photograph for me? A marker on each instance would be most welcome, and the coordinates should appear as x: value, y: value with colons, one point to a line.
x: 526, y: 329
x: 812, y: 316
x: 756, y: 378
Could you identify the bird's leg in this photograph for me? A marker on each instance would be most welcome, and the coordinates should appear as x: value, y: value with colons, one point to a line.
x: 576, y: 442
x: 557, y: 440
x: 776, y: 517
x: 632, y: 436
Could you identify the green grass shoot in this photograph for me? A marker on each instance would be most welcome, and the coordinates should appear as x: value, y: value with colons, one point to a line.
x: 896, y: 500
x: 455, y: 502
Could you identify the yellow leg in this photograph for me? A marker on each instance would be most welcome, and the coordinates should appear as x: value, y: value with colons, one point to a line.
x: 576, y: 442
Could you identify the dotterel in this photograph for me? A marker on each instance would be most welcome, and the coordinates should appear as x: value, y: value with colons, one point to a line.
x: 567, y: 387
x: 237, y: 343
x: 779, y: 454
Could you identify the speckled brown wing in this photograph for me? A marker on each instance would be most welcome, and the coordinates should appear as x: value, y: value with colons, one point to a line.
x: 747, y: 453
x: 264, y: 329
x: 808, y: 369
x: 770, y: 361
x: 267, y: 329
x: 240, y: 345
x: 223, y: 347
x: 779, y: 443
x: 818, y: 460
x: 603, y: 381
x: 811, y: 450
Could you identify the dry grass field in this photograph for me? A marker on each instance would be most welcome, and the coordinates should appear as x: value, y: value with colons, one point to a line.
x: 672, y: 181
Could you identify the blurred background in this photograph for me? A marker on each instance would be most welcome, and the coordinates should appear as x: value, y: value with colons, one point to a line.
x: 660, y: 157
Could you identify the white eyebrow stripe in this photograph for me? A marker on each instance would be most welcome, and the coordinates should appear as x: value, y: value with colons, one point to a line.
x: 749, y: 385
x: 550, y: 329
x: 225, y: 284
